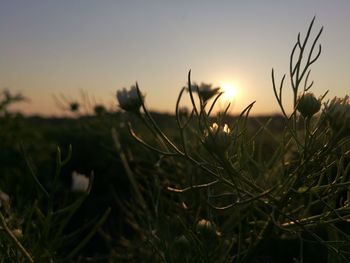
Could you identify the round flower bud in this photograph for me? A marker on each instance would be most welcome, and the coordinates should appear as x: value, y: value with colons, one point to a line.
x: 308, y: 105
x: 74, y: 106
x: 206, y: 229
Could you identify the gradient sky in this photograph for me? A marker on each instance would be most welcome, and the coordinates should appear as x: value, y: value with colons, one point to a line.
x: 62, y: 47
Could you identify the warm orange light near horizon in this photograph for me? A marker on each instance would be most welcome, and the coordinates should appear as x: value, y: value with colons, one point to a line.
x: 230, y: 91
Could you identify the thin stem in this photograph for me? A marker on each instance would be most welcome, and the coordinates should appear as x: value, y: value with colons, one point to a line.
x: 14, y: 239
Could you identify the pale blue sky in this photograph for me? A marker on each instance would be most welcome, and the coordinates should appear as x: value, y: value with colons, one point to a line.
x: 50, y: 47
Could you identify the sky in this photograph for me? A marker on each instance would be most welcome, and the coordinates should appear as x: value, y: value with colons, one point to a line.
x: 65, y: 48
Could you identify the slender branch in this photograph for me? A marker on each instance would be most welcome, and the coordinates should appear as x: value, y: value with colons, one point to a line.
x: 14, y: 239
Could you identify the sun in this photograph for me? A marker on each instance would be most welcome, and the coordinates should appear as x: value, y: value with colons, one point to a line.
x: 230, y: 91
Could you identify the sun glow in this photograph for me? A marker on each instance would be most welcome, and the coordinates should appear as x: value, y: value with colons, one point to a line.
x: 230, y: 91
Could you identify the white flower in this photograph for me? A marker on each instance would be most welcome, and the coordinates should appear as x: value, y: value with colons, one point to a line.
x: 80, y: 182
x: 129, y: 99
x: 214, y: 128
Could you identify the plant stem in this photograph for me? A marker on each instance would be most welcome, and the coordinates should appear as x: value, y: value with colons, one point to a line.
x: 15, y: 240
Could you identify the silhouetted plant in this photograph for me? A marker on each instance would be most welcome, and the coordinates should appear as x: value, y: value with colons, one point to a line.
x: 244, y: 202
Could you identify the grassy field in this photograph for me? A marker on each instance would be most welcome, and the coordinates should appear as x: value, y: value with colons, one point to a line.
x: 30, y: 145
x: 140, y: 186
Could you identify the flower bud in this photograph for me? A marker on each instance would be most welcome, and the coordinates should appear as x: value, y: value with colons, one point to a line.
x: 74, y: 106
x: 308, y: 105
x: 129, y: 99
x: 206, y: 229
x: 218, y: 138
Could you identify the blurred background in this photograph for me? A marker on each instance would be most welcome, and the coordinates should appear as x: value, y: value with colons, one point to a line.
x: 49, y: 48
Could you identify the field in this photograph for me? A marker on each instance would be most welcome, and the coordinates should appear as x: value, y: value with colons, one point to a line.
x: 139, y: 186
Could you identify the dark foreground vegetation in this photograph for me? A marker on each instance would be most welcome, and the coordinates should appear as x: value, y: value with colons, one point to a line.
x: 30, y: 150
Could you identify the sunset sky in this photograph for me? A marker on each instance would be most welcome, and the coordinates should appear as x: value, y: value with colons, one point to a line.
x: 51, y: 47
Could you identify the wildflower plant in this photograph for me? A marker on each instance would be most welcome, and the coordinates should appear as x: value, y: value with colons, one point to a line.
x: 218, y: 138
x: 231, y: 203
x: 37, y: 229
